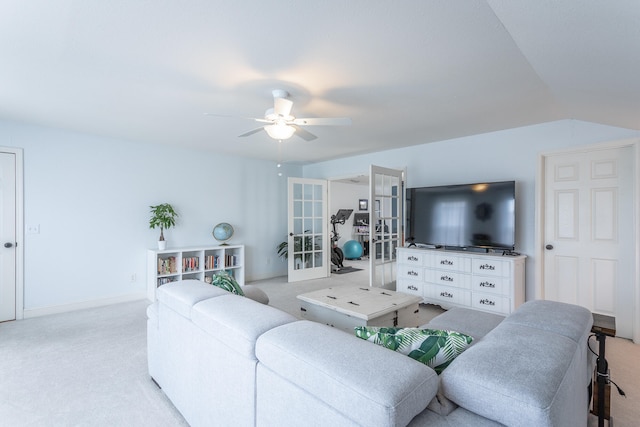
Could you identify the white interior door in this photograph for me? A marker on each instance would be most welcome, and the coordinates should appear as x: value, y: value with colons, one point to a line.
x: 308, y: 244
x: 386, y: 198
x: 7, y: 236
x: 589, y: 233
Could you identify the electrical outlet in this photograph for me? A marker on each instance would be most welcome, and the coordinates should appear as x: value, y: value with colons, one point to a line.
x: 133, y: 278
x: 33, y: 229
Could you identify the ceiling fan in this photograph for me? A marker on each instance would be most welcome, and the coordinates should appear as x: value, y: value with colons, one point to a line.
x: 280, y: 124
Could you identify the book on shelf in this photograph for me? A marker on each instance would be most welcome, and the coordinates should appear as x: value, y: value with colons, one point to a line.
x: 191, y: 263
x: 167, y: 265
x: 230, y: 260
x: 212, y: 262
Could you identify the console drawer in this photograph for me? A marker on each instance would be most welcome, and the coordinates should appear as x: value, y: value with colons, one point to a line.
x: 448, y: 278
x: 490, y: 267
x: 411, y: 257
x: 490, y: 285
x: 450, y: 262
x: 411, y: 287
x: 449, y: 295
x: 488, y: 302
x: 412, y: 272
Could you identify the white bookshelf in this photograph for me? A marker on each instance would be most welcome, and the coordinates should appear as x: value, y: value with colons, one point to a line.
x: 198, y: 263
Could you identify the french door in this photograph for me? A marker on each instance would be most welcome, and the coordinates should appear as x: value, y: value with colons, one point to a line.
x: 308, y: 244
x: 386, y: 232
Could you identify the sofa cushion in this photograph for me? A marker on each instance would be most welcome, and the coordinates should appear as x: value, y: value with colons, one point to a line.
x: 571, y: 321
x: 368, y: 384
x: 435, y: 348
x: 513, y: 374
x: 226, y: 319
x: 182, y: 295
x: 225, y: 281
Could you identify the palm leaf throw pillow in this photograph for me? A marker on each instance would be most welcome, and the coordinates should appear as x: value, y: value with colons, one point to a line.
x: 225, y: 281
x: 433, y: 347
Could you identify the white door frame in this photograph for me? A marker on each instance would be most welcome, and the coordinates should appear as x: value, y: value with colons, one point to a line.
x: 634, y: 143
x: 18, y: 152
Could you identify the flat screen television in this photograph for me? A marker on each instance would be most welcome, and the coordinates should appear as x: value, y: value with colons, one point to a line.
x: 480, y: 215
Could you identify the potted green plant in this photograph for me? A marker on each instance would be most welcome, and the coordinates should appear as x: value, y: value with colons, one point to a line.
x: 163, y: 216
x: 283, y: 250
x: 283, y: 247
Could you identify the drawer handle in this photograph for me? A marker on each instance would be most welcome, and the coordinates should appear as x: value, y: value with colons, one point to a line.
x: 412, y: 258
x: 412, y: 288
x: 446, y: 295
x: 487, y: 267
x: 446, y: 278
x: 487, y: 285
x: 446, y: 262
x: 412, y: 273
x: 487, y: 302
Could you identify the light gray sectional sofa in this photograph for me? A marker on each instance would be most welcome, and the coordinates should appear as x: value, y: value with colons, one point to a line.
x: 227, y: 360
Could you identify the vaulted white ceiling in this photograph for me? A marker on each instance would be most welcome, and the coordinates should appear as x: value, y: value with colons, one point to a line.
x: 407, y: 72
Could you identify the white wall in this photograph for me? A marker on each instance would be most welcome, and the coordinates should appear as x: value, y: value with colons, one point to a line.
x: 91, y: 198
x: 497, y: 156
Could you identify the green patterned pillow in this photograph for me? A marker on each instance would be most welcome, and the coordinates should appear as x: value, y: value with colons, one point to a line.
x: 433, y: 347
x: 225, y: 281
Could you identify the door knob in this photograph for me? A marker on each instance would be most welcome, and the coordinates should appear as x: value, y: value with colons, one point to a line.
x: 291, y: 234
x: 549, y: 247
x: 8, y: 245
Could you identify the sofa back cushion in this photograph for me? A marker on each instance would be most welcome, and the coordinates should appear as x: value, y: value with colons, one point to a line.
x: 182, y: 295
x: 365, y: 383
x: 227, y: 319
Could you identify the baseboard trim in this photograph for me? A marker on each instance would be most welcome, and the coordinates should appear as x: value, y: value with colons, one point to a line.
x: 64, y: 308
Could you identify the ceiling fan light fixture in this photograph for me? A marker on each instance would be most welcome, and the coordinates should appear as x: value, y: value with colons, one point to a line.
x: 280, y: 131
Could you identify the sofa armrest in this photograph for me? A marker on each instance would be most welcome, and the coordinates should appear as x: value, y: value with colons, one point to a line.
x: 365, y: 383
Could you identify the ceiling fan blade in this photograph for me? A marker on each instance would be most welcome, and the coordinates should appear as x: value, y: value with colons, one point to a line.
x: 251, y: 132
x: 304, y: 134
x: 282, y: 107
x: 335, y: 121
x: 255, y: 119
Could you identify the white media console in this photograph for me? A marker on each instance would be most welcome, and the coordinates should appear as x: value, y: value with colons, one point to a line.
x: 483, y: 281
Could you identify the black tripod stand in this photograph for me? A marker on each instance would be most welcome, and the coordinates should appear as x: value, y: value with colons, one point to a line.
x: 603, y: 326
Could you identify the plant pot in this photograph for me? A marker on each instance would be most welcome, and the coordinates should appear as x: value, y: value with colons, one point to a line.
x: 162, y: 245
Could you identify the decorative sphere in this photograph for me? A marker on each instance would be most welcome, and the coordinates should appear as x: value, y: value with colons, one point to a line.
x: 222, y: 232
x: 352, y: 249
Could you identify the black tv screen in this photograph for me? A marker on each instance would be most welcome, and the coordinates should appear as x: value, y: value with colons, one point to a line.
x: 480, y: 215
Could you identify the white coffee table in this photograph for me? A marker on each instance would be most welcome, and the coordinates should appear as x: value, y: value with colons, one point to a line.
x: 345, y: 307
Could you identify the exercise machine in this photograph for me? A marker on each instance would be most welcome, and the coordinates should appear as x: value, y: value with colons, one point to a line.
x: 337, y: 256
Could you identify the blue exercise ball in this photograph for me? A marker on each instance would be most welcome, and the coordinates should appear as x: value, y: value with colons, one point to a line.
x: 352, y: 249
